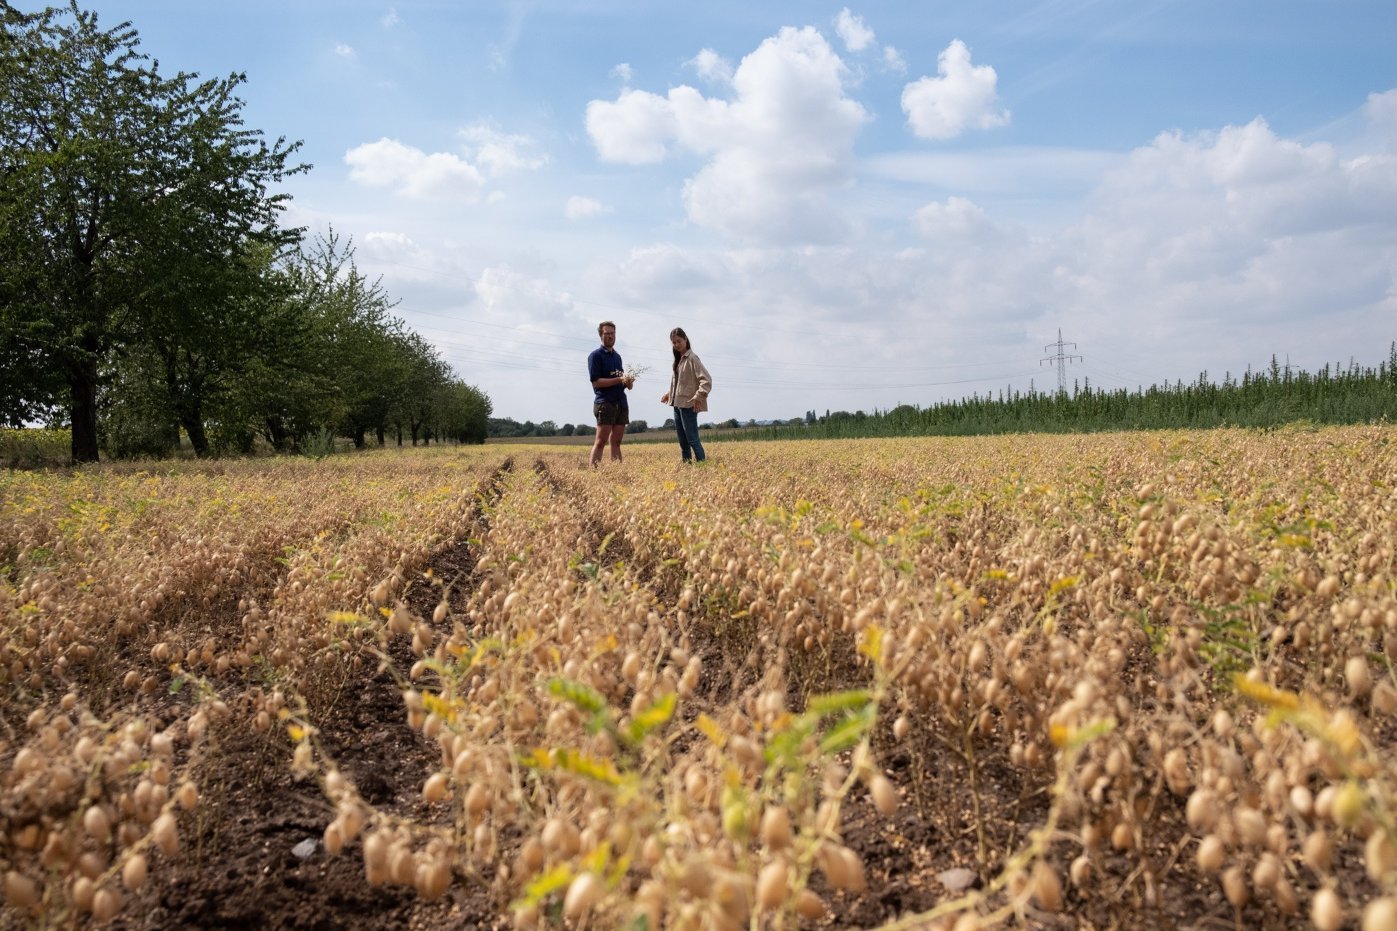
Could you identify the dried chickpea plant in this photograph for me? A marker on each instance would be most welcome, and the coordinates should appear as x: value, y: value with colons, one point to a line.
x: 1135, y: 680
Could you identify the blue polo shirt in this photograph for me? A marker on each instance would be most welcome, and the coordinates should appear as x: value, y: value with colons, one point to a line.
x: 605, y: 363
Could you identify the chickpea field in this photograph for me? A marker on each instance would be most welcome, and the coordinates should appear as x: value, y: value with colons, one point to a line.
x: 1136, y: 680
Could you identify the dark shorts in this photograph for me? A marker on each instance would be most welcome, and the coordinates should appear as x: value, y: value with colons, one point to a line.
x: 611, y: 414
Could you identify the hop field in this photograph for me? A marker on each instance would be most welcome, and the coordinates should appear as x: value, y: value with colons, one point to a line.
x: 1132, y: 681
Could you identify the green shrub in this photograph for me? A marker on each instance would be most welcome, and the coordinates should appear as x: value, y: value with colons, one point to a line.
x: 28, y: 448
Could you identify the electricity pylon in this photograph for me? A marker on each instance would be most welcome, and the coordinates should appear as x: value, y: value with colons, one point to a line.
x: 1061, y: 358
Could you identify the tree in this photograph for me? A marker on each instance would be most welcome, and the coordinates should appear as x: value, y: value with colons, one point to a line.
x: 135, y: 417
x: 465, y: 413
x: 201, y: 335
x: 425, y: 374
x: 362, y: 343
x: 28, y: 393
x: 292, y: 389
x: 119, y: 185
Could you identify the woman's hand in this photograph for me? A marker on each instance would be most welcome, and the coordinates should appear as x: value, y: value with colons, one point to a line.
x: 664, y: 398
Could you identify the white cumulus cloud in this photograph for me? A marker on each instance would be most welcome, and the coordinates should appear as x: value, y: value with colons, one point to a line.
x: 957, y: 217
x: 852, y: 30
x: 777, y: 150
x: 343, y: 50
x: 963, y: 97
x: 412, y: 172
x: 636, y: 128
x: 499, y: 152
x: 580, y: 208
x: 388, y: 246
x: 711, y: 66
x: 1381, y: 112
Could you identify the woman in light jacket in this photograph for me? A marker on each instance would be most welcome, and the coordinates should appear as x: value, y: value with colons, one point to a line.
x: 688, y: 394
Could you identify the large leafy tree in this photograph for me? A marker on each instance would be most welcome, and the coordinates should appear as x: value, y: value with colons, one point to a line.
x: 29, y: 393
x: 289, y: 390
x: 464, y: 413
x: 426, y: 375
x: 358, y: 339
x: 207, y: 338
x: 126, y: 197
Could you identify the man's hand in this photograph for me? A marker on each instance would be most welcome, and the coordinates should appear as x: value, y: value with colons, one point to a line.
x: 664, y: 398
x: 627, y: 381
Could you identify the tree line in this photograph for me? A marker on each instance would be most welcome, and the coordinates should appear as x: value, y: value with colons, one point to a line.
x: 1336, y: 394
x: 148, y: 286
x: 509, y: 427
x: 503, y: 427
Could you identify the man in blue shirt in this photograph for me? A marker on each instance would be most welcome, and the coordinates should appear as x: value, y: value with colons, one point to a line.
x: 609, y: 386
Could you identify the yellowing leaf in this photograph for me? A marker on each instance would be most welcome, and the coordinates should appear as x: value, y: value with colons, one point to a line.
x: 538, y: 758
x: 851, y: 700
x: 439, y: 706
x: 871, y: 643
x: 542, y: 887
x: 1267, y: 695
x: 590, y: 767
x: 596, y: 861
x: 712, y: 730
x: 655, y: 715
x: 579, y: 694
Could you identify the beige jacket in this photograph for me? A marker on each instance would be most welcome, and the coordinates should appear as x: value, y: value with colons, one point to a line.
x: 689, y: 387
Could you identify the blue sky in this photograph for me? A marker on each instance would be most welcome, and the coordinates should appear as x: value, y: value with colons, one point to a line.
x: 846, y: 207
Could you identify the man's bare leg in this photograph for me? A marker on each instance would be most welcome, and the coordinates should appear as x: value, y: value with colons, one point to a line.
x: 600, y: 443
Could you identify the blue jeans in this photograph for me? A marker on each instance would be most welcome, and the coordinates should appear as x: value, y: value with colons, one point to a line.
x: 686, y: 425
